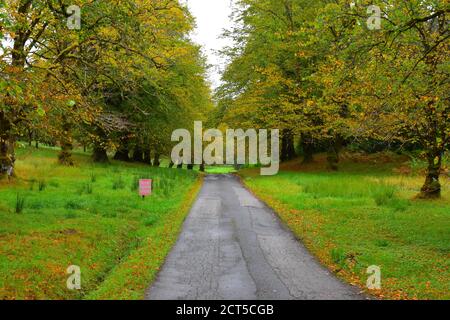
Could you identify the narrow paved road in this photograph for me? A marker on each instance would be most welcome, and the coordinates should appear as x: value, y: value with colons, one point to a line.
x: 233, y: 247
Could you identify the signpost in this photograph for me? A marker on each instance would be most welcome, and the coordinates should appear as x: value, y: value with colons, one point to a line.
x: 145, y: 187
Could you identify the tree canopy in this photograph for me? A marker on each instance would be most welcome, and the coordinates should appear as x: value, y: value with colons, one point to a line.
x: 121, y: 81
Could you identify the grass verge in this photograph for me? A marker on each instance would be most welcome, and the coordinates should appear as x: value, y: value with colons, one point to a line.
x: 354, y: 219
x: 130, y: 279
x: 91, y: 216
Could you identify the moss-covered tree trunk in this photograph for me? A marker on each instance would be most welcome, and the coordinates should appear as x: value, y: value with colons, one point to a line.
x: 432, y: 187
x: 12, y: 117
x: 7, y: 158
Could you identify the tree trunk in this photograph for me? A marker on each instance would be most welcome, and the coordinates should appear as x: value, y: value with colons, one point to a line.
x: 122, y: 154
x: 156, y: 161
x: 332, y: 159
x: 99, y: 154
x: 190, y: 167
x: 7, y: 157
x: 7, y: 140
x: 202, y: 167
x: 30, y: 138
x: 138, y: 155
x: 287, y: 146
x: 307, y: 146
x: 147, y: 156
x: 6, y: 147
x: 432, y: 187
x: 4, y: 158
x: 334, y: 149
x: 65, y: 155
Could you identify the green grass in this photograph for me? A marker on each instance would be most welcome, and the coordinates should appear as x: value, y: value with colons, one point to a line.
x: 361, y: 217
x: 220, y: 169
x: 90, y: 215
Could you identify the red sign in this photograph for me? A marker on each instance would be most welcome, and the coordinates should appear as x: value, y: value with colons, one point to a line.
x: 145, y: 187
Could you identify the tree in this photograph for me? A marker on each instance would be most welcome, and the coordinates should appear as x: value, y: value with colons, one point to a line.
x: 399, y: 80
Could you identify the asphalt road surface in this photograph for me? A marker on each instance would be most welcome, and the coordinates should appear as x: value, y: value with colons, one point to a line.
x: 233, y: 247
